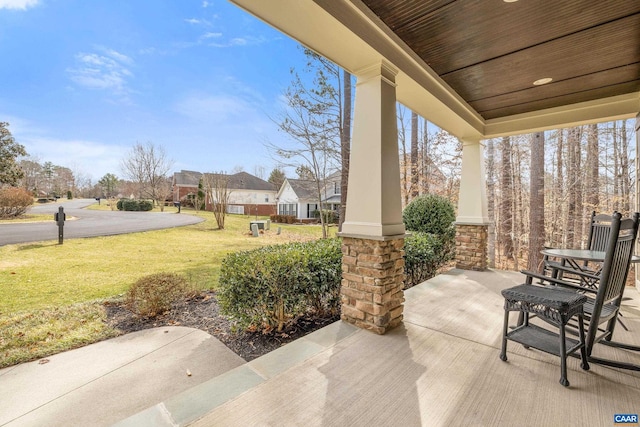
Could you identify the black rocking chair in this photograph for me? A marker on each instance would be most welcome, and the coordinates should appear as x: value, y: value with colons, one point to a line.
x: 600, y: 306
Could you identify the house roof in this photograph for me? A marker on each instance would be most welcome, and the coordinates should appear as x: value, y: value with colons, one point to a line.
x: 336, y: 176
x: 304, y: 188
x: 237, y: 181
x: 186, y: 178
x: 246, y: 181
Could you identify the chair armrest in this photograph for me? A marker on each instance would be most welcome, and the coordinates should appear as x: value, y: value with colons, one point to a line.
x: 557, y: 282
x: 570, y: 270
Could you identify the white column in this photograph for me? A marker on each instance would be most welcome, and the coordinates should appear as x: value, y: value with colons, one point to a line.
x: 472, y: 202
x: 374, y: 207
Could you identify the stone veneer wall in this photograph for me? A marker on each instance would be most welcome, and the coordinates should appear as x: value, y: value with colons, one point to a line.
x: 372, y: 283
x: 471, y: 246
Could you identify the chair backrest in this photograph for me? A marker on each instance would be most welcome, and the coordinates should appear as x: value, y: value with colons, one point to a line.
x: 613, y: 275
x: 599, y: 232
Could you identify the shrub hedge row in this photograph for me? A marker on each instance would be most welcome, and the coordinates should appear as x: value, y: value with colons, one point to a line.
x: 424, y: 254
x: 267, y: 288
x: 283, y: 219
x: 134, y: 205
x: 430, y: 218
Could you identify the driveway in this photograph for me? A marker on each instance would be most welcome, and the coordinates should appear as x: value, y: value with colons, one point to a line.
x: 89, y: 223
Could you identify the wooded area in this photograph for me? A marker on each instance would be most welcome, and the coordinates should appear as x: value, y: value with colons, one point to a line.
x: 541, y: 188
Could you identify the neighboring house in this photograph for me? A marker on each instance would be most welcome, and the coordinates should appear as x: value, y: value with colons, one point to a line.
x: 251, y: 195
x: 248, y: 194
x: 299, y: 197
x: 185, y: 183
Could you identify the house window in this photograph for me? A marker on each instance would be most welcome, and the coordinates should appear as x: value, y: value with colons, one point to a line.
x: 266, y: 198
x: 336, y: 188
x: 311, y: 210
x: 288, y: 209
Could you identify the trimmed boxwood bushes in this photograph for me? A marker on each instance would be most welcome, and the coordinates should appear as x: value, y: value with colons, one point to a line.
x: 429, y: 213
x: 269, y: 287
x: 424, y: 254
x: 430, y: 220
x: 134, y: 205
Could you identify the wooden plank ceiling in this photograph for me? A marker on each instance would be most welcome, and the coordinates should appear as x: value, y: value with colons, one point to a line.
x: 491, y: 51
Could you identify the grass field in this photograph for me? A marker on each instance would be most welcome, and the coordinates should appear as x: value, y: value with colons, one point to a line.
x: 51, y: 295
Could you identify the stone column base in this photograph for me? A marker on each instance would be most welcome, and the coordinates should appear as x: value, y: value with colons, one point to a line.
x: 471, y: 246
x: 372, y: 283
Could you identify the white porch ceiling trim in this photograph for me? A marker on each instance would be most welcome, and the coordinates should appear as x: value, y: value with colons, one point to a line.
x: 349, y: 34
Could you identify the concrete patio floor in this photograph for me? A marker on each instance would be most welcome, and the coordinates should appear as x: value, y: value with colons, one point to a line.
x: 440, y: 368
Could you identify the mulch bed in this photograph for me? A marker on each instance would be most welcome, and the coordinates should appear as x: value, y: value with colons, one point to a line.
x: 202, y: 312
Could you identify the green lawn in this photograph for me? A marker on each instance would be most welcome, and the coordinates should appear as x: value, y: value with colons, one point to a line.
x: 50, y: 294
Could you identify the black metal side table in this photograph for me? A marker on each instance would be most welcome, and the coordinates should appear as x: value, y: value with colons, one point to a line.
x: 554, y: 305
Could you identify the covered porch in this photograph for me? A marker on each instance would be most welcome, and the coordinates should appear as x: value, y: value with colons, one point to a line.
x: 440, y: 368
x: 477, y: 69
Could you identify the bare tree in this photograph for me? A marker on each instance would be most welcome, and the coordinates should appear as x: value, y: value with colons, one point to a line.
x: 536, y: 202
x: 491, y: 201
x: 506, y: 204
x: 415, y: 173
x: 313, y: 120
x: 164, y: 192
x: 148, y: 166
x: 574, y: 208
x: 217, y: 191
x: 345, y: 145
x: 404, y: 157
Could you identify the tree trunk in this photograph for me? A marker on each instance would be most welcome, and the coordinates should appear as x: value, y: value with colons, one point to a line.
x: 574, y: 208
x: 559, y: 237
x: 404, y: 170
x: 491, y: 200
x: 616, y: 169
x: 415, y: 174
x: 536, y: 202
x: 592, y: 190
x: 426, y: 161
x: 345, y: 145
x: 624, y: 171
x: 506, y: 204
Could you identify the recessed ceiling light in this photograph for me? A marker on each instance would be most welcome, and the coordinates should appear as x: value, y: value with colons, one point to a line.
x: 542, y: 81
x: 509, y: 1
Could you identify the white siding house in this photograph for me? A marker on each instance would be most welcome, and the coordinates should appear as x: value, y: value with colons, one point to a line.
x: 299, y: 197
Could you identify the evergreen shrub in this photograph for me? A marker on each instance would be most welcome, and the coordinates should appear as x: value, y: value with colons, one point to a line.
x: 429, y: 213
x: 134, y: 205
x: 431, y: 245
x: 270, y: 287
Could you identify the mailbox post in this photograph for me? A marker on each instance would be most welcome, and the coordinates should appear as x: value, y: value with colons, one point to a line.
x: 59, y: 218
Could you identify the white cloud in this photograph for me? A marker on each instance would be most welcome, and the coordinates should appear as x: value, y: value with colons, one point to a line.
x: 18, y: 4
x: 213, y: 108
x: 210, y: 35
x: 205, y: 4
x: 106, y: 70
x: 240, y: 41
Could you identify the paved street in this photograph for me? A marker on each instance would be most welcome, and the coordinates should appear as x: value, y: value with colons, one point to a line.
x: 89, y: 223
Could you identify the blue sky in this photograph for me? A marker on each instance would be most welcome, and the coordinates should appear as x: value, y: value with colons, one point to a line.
x: 83, y: 81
